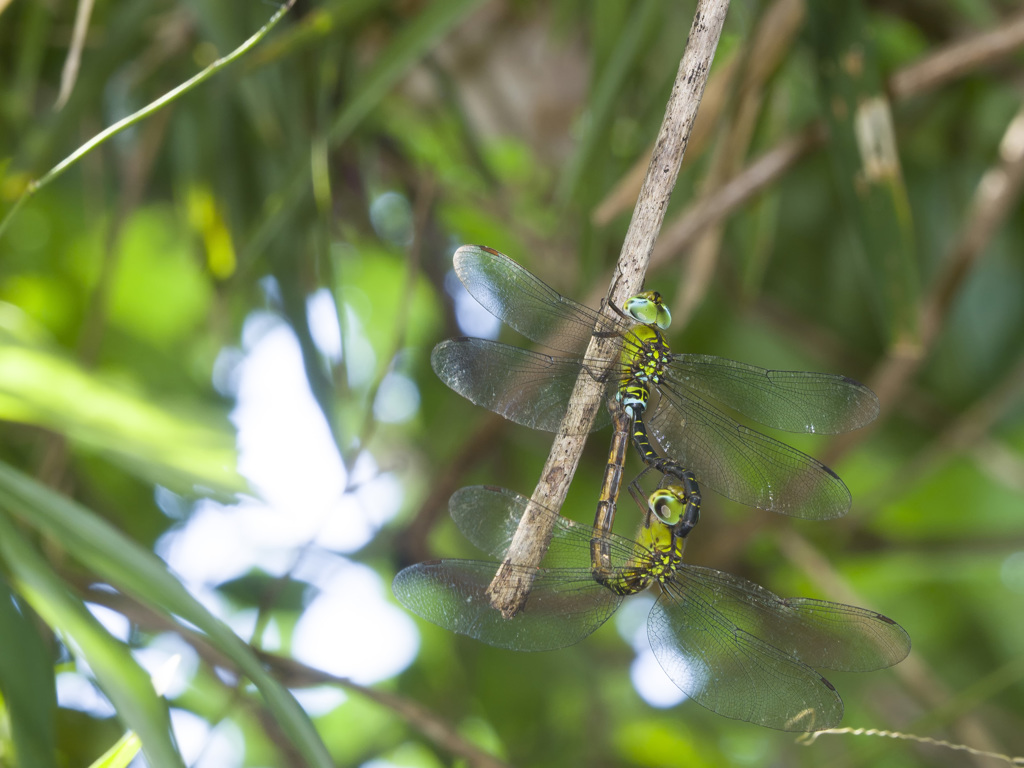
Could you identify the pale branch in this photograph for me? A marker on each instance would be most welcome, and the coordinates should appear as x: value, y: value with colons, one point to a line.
x: 511, y: 585
x: 959, y: 58
x: 998, y: 191
x: 956, y: 60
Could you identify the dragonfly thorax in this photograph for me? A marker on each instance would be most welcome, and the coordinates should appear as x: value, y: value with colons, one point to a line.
x: 645, y: 354
x: 655, y: 560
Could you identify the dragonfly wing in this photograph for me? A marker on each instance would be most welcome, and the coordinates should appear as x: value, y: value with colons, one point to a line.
x: 522, y: 301
x: 488, y: 516
x: 819, y: 633
x: 565, y: 605
x: 526, y: 387
x: 796, y: 401
x: 743, y: 464
x: 732, y: 671
x: 836, y: 636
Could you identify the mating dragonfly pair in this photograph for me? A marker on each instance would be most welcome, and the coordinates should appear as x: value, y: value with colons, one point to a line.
x: 729, y: 644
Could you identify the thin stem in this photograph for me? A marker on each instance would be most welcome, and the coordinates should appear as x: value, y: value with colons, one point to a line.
x: 34, y: 186
x: 956, y: 60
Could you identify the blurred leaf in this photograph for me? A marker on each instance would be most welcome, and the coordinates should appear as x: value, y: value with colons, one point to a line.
x: 181, y: 450
x: 251, y: 590
x: 27, y: 682
x: 122, y: 680
x: 658, y: 744
x: 159, y: 292
x: 865, y: 160
x: 121, y: 754
x: 137, y: 571
x: 413, y: 40
x: 374, y: 283
x: 208, y: 219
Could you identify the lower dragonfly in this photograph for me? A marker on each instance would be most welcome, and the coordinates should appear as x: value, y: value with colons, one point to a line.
x: 729, y: 644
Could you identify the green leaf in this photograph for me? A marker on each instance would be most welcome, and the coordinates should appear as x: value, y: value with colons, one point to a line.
x: 180, y: 450
x: 126, y: 684
x: 138, y: 572
x: 121, y: 754
x: 27, y: 682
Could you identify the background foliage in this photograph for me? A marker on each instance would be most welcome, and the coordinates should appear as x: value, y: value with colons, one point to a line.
x: 350, y: 152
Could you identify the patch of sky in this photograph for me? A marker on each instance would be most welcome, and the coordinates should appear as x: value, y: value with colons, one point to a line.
x: 472, y: 318
x: 649, y: 679
x: 309, y: 512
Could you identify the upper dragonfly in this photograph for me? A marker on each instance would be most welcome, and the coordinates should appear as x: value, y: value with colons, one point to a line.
x: 689, y: 392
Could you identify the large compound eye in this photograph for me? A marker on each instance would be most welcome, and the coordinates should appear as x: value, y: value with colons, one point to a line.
x: 648, y: 309
x: 667, y: 504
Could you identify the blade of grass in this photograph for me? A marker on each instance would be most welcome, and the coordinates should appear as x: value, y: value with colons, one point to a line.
x: 865, y: 159
x: 121, y: 754
x: 154, y: 106
x: 132, y: 569
x: 641, y: 24
x: 126, y: 684
x: 180, y: 450
x: 27, y: 683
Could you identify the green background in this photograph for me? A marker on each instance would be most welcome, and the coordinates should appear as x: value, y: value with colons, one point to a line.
x: 507, y: 124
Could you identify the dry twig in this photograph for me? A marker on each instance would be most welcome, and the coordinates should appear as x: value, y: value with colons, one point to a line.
x: 958, y: 58
x: 954, y: 61
x: 510, y: 587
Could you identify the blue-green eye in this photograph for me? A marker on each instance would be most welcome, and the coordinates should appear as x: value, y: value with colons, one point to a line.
x: 648, y: 309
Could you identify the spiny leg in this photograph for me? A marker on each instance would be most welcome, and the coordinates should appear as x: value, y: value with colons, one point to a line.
x: 600, y: 555
x: 683, y: 481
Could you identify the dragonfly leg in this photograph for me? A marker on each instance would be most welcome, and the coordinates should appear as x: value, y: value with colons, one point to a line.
x: 600, y: 554
x: 682, y: 481
x: 691, y: 494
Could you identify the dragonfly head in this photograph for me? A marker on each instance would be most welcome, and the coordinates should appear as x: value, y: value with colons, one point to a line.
x: 668, y: 505
x: 677, y: 505
x: 647, y: 308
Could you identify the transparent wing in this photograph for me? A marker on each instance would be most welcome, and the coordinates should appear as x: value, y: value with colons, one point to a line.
x: 526, y: 387
x: 743, y: 652
x: 743, y: 464
x: 796, y: 401
x: 488, y: 516
x: 523, y: 302
x: 564, y: 606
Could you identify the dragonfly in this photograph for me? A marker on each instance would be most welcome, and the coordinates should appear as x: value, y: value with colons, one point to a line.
x: 729, y: 644
x: 691, y: 396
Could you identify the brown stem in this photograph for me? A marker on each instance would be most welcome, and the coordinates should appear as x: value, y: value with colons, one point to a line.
x: 997, y: 193
x: 511, y: 585
x: 949, y: 63
x: 958, y: 58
